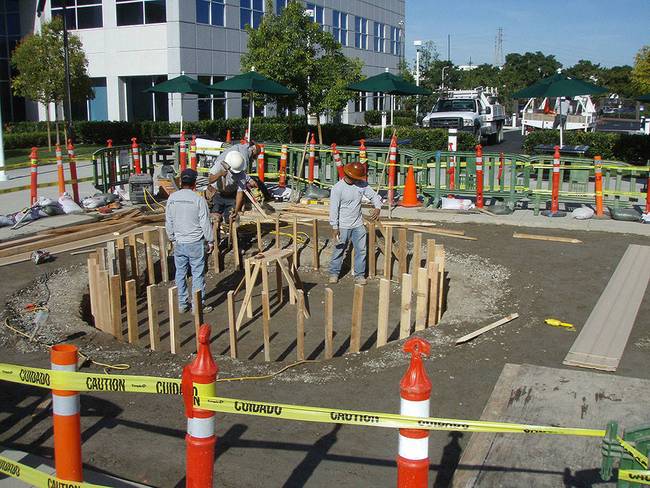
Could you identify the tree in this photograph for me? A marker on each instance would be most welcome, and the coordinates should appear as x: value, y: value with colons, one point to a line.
x: 486, y: 75
x: 38, y: 60
x: 618, y: 79
x: 641, y: 70
x: 293, y: 50
x: 522, y: 70
x: 585, y: 70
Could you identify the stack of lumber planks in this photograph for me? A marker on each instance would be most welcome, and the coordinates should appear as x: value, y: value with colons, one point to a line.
x: 64, y: 239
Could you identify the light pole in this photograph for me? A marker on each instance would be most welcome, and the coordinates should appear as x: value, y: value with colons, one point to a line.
x: 3, y: 175
x: 442, y: 88
x: 417, y: 45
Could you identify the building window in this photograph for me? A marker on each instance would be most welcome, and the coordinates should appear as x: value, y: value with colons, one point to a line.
x: 317, y: 13
x: 212, y: 108
x: 135, y: 12
x: 280, y: 5
x: 395, y: 41
x: 245, y: 107
x: 95, y: 108
x: 146, y: 106
x: 361, y: 102
x: 81, y: 14
x: 361, y: 33
x: 251, y: 13
x: 378, y: 101
x: 13, y: 107
x: 380, y: 37
x: 340, y: 27
x: 210, y: 12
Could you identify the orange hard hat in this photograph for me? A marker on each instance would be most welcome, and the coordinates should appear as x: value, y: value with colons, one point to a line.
x: 356, y: 170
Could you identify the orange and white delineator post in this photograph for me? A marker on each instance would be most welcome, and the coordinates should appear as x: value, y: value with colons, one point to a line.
x: 59, y: 169
x: 647, y: 196
x: 415, y: 394
x: 135, y: 150
x: 193, y: 153
x: 33, y: 176
x: 182, y: 156
x: 312, y: 159
x: 502, y: 160
x: 228, y: 137
x: 336, y: 155
x: 261, y: 163
x: 112, y: 165
x: 479, y: 176
x: 392, y: 169
x: 452, y: 142
x: 66, y: 418
x: 555, y: 191
x: 363, y: 156
x: 200, y: 440
x: 598, y: 171
x: 72, y: 161
x: 283, y: 166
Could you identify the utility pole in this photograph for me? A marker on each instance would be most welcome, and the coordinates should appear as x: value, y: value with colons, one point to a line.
x: 417, y: 45
x: 67, y: 106
x: 498, y: 47
x: 449, y: 48
x: 3, y: 175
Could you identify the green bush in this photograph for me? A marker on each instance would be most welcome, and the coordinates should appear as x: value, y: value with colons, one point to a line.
x: 429, y: 139
x: 628, y: 148
x: 373, y: 117
x: 20, y: 127
x: 404, y: 121
x: 24, y: 140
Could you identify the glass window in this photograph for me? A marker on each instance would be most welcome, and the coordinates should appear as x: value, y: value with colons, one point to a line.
x: 378, y: 101
x: 80, y: 14
x: 135, y: 12
x: 210, y: 12
x: 361, y: 33
x: 361, y: 102
x: 395, y: 41
x: 317, y: 13
x: 145, y: 106
x: 380, y: 37
x: 280, y: 6
x: 212, y: 108
x: 251, y: 13
x: 340, y: 27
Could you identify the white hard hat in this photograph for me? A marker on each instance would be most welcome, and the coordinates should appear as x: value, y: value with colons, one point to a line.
x: 236, y: 161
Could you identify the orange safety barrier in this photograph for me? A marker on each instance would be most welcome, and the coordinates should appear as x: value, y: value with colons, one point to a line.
x: 260, y: 164
x: 183, y: 152
x: 112, y: 164
x: 555, y: 191
x: 72, y: 161
x: 193, y: 153
x: 135, y: 150
x: 228, y: 137
x: 33, y: 176
x: 312, y: 159
x: 337, y: 161
x: 452, y: 141
x: 415, y: 395
x: 598, y: 170
x: 283, y: 166
x: 66, y: 418
x: 410, y: 197
x: 363, y: 157
x: 59, y: 169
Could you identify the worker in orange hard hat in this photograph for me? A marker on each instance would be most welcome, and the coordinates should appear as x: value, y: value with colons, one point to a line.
x: 346, y: 219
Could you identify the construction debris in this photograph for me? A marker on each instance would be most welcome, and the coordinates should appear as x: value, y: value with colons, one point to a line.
x: 518, y: 235
x: 482, y: 330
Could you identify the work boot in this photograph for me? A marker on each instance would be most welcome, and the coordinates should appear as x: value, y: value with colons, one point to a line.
x: 360, y: 280
x: 334, y: 279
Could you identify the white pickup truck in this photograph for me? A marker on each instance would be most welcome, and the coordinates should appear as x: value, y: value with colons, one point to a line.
x: 476, y: 111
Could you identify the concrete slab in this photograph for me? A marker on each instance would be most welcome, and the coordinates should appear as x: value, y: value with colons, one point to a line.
x: 47, y: 466
x: 549, y: 396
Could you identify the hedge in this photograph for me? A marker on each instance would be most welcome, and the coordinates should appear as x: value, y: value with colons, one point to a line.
x: 629, y: 148
x: 373, y: 117
x: 25, y: 140
x: 429, y: 139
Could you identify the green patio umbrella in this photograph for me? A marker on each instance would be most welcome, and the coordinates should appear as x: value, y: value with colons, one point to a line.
x: 184, y: 85
x: 389, y: 84
x: 560, y: 85
x: 250, y: 83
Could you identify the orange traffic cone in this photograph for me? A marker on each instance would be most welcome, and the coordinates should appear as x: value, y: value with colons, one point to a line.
x: 410, y: 198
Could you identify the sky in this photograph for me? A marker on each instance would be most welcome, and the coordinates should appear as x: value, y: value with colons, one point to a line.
x: 605, y: 32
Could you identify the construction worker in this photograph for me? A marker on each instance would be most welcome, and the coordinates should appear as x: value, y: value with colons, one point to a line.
x: 229, y: 180
x: 346, y: 219
x: 187, y: 221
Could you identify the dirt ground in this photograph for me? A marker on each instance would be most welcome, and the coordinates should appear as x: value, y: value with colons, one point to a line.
x: 140, y: 437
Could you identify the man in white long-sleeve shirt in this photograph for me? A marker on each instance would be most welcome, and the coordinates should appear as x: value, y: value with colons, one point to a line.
x: 346, y: 220
x: 187, y: 221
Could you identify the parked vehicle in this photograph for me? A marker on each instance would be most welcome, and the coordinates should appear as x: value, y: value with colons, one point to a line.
x: 544, y: 113
x: 476, y: 111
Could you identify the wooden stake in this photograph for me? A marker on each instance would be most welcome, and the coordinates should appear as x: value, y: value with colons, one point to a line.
x: 258, y: 226
x: 111, y: 258
x: 265, y: 279
x: 432, y: 272
x: 278, y: 244
x: 174, y: 320
x: 431, y: 251
x: 405, y: 318
x: 329, y: 322
x: 247, y: 296
x: 384, y: 308
x: 300, y: 325
x: 235, y: 244
x: 116, y: 307
x: 518, y: 235
x: 402, y: 251
x: 440, y: 259
x: 249, y: 287
x: 232, y: 330
x: 133, y: 257
x: 416, y: 260
x: 132, y: 313
x: 279, y: 288
x: 266, y: 318
x: 314, y: 240
x: 357, y: 316
x: 216, y: 254
x: 121, y: 260
x: 151, y: 271
x: 197, y: 306
x: 421, y: 301
x: 482, y: 330
x: 164, y: 254
x: 372, y: 246
x: 105, y: 323
x: 92, y: 263
x: 388, y: 253
x: 152, y: 310
x: 294, y: 233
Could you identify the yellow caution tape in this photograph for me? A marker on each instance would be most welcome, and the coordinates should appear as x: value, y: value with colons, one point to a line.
x: 45, y: 185
x: 75, y: 381
x: 638, y: 456
x: 37, y: 478
x: 635, y: 476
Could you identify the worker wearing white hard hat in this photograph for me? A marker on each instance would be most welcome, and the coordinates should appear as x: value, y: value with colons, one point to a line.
x: 229, y: 179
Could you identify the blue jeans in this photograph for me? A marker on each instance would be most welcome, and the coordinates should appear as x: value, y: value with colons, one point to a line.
x: 358, y: 238
x: 193, y: 256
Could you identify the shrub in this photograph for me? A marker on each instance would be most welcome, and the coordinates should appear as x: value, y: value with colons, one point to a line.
x: 407, y: 117
x: 429, y: 139
x: 24, y: 140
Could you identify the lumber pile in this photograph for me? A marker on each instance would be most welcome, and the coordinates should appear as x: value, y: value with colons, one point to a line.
x: 64, y: 239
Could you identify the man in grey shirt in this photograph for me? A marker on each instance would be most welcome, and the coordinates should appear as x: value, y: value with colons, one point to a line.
x: 187, y: 221
x: 346, y: 220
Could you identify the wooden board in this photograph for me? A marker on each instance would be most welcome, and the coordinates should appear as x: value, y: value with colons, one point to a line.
x: 372, y: 250
x: 151, y: 271
x: 357, y: 317
x: 405, y: 316
x: 266, y: 328
x: 382, y: 314
x: 548, y: 396
x: 487, y: 328
x: 197, y: 312
x: 535, y: 237
x: 116, y: 307
x: 416, y: 261
x: 314, y: 244
x: 602, y: 340
x: 232, y: 330
x: 402, y: 252
x: 174, y: 320
x: 329, y: 322
x: 152, y: 310
x: 163, y: 245
x: 300, y: 325
x: 422, y: 289
x: 132, y: 313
